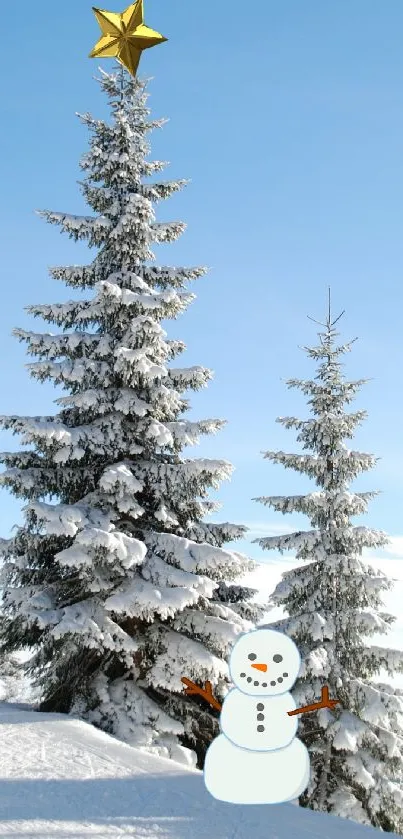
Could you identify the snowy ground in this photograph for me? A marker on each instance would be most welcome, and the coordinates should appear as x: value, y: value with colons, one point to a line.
x: 62, y: 779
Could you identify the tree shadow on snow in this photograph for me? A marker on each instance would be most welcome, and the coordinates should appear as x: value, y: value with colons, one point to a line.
x: 154, y: 805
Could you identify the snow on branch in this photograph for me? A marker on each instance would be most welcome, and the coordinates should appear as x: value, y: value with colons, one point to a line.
x: 389, y: 660
x: 5, y: 545
x: 182, y: 654
x: 188, y: 433
x: 333, y: 501
x: 87, y: 372
x: 106, y: 400
x: 320, y: 543
x: 329, y: 422
x: 218, y: 634
x: 167, y: 276
x: 95, y: 630
x: 21, y: 460
x: 160, y: 573
x: 129, y: 362
x: 310, y: 387
x: 54, y: 346
x: 95, y: 230
x: 215, y: 534
x: 325, y: 352
x: 68, y: 519
x: 161, y: 191
x: 113, y: 545
x: 176, y: 475
x: 348, y: 463
x: 314, y: 625
x: 198, y: 557
x: 151, y: 167
x: 78, y: 276
x: 142, y: 599
x: 67, y: 314
x: 190, y: 377
x: 167, y: 231
x: 118, y: 483
x: 32, y: 483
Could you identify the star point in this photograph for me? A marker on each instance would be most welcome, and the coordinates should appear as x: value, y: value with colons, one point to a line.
x: 125, y: 36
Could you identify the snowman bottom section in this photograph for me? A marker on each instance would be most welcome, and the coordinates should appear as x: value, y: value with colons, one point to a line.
x: 241, y: 776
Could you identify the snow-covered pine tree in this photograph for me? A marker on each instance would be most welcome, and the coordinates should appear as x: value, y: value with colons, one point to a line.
x: 333, y: 604
x: 15, y: 685
x: 115, y: 578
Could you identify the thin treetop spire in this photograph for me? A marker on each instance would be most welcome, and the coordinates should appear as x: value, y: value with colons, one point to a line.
x: 329, y: 324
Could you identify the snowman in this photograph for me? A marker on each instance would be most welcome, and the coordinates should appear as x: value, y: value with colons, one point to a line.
x: 257, y: 758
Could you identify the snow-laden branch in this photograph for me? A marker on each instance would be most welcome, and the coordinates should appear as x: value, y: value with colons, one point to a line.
x: 94, y: 230
x: 331, y: 501
x: 323, y: 542
x: 348, y: 464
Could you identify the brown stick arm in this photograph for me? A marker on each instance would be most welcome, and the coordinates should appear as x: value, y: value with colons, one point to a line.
x: 325, y: 702
x: 206, y: 693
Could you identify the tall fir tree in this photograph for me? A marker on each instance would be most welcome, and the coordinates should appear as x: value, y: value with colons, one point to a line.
x: 333, y: 605
x: 115, y: 578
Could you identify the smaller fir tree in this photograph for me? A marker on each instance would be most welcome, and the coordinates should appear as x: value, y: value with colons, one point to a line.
x: 333, y: 605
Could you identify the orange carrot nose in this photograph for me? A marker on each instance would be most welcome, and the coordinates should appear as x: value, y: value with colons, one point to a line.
x: 262, y: 667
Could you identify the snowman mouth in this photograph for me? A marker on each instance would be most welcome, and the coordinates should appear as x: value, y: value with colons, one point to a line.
x: 256, y: 683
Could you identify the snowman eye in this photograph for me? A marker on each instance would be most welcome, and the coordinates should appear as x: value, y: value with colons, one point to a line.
x: 277, y: 658
x: 251, y: 656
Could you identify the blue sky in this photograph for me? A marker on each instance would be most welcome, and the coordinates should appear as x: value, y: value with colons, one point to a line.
x: 289, y: 123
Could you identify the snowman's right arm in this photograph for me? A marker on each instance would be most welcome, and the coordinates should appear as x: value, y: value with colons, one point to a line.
x: 206, y: 693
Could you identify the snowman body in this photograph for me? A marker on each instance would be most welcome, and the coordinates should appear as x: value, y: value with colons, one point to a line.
x: 257, y: 758
x: 243, y: 776
x: 258, y: 723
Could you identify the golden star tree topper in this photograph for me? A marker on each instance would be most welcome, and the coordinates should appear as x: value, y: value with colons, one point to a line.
x: 125, y: 36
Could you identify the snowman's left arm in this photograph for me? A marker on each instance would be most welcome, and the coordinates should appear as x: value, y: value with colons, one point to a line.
x: 206, y: 692
x: 325, y: 702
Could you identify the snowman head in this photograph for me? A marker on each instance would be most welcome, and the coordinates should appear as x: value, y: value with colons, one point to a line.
x: 264, y: 662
